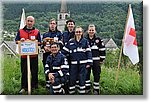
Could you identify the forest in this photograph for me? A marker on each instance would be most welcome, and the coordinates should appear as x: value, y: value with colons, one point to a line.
x: 109, y: 18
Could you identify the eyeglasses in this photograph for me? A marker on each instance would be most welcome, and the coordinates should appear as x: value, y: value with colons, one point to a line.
x: 78, y: 31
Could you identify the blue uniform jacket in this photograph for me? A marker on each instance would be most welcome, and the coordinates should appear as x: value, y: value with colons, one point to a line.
x: 97, y: 48
x: 79, y: 52
x: 67, y: 36
x: 51, y: 34
x: 58, y: 65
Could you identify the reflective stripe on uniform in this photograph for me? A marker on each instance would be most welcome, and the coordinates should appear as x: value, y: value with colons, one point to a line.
x: 56, y: 87
x: 94, y: 47
x: 88, y: 49
x: 96, y: 87
x: 102, y: 56
x: 60, y: 72
x: 73, y: 87
x: 73, y: 62
x: 89, y: 60
x: 46, y: 71
x: 102, y: 49
x: 46, y: 65
x: 96, y: 58
x: 83, y: 61
x: 96, y: 83
x: 56, y: 67
x: 64, y: 66
x: 66, y: 49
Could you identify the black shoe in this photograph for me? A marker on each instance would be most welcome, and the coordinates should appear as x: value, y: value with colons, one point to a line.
x: 96, y: 93
x: 88, y: 92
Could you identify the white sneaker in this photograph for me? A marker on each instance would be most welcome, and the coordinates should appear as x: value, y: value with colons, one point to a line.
x: 22, y: 91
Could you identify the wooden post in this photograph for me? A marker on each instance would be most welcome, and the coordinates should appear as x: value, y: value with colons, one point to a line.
x: 122, y: 46
x: 28, y: 48
x: 119, y: 64
x: 29, y: 79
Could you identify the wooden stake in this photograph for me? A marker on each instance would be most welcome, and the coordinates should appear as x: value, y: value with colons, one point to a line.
x: 29, y: 79
x: 122, y: 46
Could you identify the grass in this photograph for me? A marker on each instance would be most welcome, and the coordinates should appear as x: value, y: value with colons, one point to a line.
x: 129, y: 80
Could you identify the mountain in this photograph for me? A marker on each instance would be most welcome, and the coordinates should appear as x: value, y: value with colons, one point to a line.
x: 109, y: 18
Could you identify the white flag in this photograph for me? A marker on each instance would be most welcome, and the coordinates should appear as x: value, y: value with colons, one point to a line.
x: 22, y: 24
x: 130, y: 47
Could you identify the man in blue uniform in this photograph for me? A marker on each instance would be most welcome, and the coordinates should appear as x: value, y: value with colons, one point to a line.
x: 69, y: 33
x: 80, y: 58
x: 98, y: 56
x: 57, y: 69
x: 57, y: 37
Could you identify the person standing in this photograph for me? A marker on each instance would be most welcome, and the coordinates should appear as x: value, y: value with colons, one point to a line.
x: 29, y: 33
x: 80, y: 59
x: 98, y: 56
x: 69, y: 33
x: 57, y: 36
x: 56, y: 69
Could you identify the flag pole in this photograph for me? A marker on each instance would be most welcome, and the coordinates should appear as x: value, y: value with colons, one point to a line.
x: 122, y: 46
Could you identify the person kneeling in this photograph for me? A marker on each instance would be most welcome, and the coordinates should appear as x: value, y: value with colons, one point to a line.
x: 57, y: 69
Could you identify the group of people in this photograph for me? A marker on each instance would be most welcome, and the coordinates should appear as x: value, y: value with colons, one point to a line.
x: 68, y: 58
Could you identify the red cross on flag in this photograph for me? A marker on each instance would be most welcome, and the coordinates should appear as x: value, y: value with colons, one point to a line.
x: 130, y: 47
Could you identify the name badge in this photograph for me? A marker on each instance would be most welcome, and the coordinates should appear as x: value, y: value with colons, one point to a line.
x: 32, y: 37
x: 55, y: 39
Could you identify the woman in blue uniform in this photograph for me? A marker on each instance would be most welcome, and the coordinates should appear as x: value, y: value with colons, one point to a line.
x: 80, y: 58
x: 98, y: 56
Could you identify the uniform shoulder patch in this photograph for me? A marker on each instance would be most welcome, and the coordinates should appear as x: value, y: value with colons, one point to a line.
x: 97, y: 40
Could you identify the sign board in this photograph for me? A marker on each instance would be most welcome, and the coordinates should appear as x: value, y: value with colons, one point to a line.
x: 28, y: 47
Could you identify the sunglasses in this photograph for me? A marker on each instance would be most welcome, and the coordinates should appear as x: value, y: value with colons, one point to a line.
x: 78, y: 31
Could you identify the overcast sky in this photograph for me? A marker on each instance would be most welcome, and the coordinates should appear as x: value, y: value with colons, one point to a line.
x: 42, y: 1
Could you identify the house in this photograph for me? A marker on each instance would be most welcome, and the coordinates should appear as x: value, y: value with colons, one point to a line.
x: 8, y: 48
x: 110, y: 44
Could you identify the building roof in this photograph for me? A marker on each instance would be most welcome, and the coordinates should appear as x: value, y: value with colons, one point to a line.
x: 110, y: 43
x: 10, y: 45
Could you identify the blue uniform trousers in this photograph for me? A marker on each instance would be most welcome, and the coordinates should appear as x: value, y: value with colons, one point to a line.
x: 77, y: 72
x: 96, y: 73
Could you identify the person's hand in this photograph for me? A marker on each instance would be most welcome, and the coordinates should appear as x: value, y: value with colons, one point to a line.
x: 52, y: 81
x: 22, y: 39
x: 46, y: 48
x: 87, y: 66
x: 51, y: 77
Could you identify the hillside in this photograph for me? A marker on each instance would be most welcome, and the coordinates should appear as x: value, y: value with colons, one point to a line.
x: 109, y: 18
